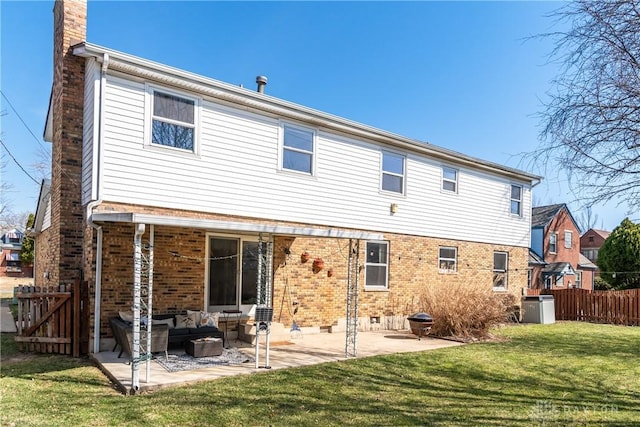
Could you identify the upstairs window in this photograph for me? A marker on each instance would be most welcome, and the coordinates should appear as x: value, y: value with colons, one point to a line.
x: 377, y: 265
x: 449, y: 179
x: 173, y: 121
x: 447, y: 259
x: 516, y: 200
x: 567, y: 239
x: 393, y: 166
x: 500, y: 269
x: 553, y: 243
x: 298, y: 149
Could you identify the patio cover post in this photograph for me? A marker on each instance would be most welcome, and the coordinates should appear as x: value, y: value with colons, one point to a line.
x: 353, y: 273
x: 263, y: 293
x: 137, y: 284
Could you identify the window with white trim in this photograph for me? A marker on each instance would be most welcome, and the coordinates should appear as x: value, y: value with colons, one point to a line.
x: 449, y: 179
x: 392, y: 176
x: 377, y: 265
x: 298, y: 148
x: 516, y: 200
x: 447, y: 259
x: 173, y: 120
x: 500, y: 269
x: 567, y: 239
x: 578, y: 283
x: 553, y: 243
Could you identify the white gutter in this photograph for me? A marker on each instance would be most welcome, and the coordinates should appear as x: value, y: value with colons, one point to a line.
x: 94, y: 203
x: 253, y: 100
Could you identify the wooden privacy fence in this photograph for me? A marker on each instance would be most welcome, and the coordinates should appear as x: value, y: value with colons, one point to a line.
x: 616, y: 307
x: 53, y: 319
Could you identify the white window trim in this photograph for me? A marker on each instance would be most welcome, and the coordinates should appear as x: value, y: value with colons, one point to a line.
x: 520, y: 201
x: 578, y: 280
x: 556, y: 244
x: 148, y: 106
x: 443, y: 180
x: 455, y: 260
x: 403, y: 175
x: 570, y: 233
x: 314, y: 153
x: 505, y: 271
x: 366, y: 265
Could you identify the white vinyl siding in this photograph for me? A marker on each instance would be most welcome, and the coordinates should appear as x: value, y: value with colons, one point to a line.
x: 237, y: 173
x: 90, y: 131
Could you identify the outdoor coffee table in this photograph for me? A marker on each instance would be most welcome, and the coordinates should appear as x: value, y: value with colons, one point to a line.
x: 204, y: 347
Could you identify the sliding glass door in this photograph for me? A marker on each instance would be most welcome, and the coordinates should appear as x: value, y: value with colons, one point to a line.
x: 232, y: 273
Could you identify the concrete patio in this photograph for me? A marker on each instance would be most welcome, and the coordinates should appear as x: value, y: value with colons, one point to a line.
x: 309, y: 349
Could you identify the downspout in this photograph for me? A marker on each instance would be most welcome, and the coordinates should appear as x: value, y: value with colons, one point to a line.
x: 93, y: 204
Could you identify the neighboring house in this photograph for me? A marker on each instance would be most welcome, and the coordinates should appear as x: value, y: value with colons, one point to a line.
x: 226, y: 186
x: 555, y: 241
x: 591, y: 242
x: 10, y: 263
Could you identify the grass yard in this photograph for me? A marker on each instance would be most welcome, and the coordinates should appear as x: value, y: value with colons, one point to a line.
x: 562, y: 374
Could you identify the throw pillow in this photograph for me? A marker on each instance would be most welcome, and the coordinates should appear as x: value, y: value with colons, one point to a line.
x: 195, y: 313
x: 188, y: 321
x: 209, y: 319
x: 127, y: 316
x: 168, y: 322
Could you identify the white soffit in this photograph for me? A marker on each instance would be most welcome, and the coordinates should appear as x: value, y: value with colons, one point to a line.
x: 232, y: 226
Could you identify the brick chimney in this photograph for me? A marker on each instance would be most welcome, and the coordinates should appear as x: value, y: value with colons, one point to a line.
x: 66, y: 237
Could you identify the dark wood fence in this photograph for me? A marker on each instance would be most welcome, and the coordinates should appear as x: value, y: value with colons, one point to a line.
x: 53, y: 319
x: 615, y: 307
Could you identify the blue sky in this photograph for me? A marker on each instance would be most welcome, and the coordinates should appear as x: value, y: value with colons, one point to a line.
x: 461, y: 75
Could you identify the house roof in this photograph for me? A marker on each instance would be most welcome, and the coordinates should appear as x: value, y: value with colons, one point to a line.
x: 558, y: 269
x: 602, y: 233
x: 534, y: 259
x: 253, y: 100
x: 584, y: 262
x: 541, y: 216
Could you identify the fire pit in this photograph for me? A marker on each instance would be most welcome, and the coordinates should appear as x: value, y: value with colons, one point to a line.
x: 420, y: 324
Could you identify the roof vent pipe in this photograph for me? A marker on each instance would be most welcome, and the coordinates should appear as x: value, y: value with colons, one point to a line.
x: 262, y: 82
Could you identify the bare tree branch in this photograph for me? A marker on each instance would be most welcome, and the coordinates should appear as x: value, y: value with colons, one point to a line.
x: 591, y: 125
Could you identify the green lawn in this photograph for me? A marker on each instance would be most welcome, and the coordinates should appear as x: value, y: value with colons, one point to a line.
x: 562, y: 374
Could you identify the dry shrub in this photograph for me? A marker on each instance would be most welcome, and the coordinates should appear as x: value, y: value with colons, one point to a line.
x: 463, y: 310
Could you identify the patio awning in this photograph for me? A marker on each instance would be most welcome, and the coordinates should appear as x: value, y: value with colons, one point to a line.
x: 235, y: 226
x: 558, y: 269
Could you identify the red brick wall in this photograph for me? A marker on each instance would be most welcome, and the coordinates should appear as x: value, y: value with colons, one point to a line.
x: 561, y: 223
x: 179, y: 282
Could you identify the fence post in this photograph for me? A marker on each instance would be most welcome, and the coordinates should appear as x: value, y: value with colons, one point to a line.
x: 76, y: 318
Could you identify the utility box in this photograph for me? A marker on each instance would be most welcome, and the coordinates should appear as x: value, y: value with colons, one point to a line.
x: 538, y: 309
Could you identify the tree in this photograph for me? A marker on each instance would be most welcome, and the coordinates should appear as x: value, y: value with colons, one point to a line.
x: 591, y: 124
x: 619, y: 256
x: 27, y: 251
